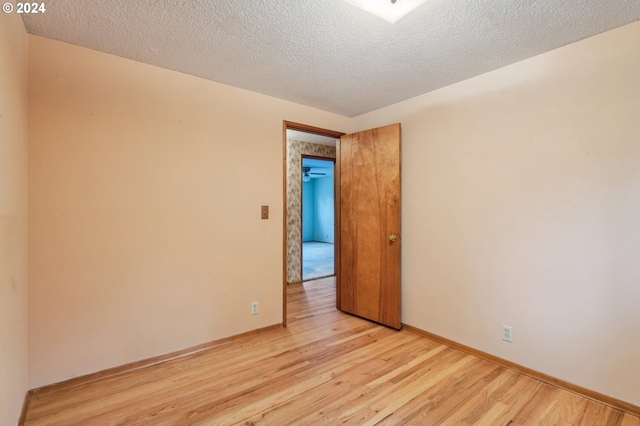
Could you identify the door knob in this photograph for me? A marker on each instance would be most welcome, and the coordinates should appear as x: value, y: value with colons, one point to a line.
x: 393, y: 237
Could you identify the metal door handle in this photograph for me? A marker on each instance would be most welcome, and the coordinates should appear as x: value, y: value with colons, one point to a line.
x: 393, y: 237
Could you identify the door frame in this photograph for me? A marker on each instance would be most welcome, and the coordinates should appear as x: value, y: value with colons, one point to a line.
x: 289, y: 125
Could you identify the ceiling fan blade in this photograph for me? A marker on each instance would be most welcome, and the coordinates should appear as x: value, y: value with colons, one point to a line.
x: 320, y: 174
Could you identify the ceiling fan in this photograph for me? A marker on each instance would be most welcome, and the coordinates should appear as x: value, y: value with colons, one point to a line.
x: 306, y: 174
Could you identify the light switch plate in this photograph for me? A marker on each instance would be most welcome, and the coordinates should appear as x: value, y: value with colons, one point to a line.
x: 264, y: 212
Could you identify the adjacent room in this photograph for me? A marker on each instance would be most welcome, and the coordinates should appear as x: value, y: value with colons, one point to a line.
x: 142, y: 280
x: 318, y: 251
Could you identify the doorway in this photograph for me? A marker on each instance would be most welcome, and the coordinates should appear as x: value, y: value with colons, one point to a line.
x: 312, y: 142
x: 367, y: 219
x: 318, y: 218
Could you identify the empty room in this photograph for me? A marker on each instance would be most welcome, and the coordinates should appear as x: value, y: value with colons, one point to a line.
x: 485, y: 184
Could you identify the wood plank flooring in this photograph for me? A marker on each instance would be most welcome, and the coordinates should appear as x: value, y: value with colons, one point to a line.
x: 325, y: 368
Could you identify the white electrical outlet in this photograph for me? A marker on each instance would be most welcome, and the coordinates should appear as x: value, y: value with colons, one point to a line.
x: 507, y: 333
x: 254, y: 308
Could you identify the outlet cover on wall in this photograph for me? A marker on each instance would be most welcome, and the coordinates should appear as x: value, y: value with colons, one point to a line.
x: 507, y: 333
x: 254, y: 308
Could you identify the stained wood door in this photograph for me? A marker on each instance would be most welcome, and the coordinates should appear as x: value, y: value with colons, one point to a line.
x: 368, y: 270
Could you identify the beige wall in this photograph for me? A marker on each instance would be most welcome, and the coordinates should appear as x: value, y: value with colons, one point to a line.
x: 145, y: 192
x: 13, y: 217
x: 521, y: 206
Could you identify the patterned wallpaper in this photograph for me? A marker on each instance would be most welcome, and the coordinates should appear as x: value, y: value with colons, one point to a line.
x: 295, y: 150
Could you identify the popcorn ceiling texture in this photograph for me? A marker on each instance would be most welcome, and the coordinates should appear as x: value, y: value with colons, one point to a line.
x: 328, y: 54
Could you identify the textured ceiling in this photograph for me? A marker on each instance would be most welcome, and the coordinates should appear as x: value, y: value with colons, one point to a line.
x: 327, y: 53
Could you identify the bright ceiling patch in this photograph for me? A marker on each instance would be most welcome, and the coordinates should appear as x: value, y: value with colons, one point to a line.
x: 389, y: 10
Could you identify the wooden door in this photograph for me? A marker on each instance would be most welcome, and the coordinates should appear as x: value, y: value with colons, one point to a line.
x: 368, y: 270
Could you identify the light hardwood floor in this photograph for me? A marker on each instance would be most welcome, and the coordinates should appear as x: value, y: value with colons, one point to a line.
x: 326, y: 368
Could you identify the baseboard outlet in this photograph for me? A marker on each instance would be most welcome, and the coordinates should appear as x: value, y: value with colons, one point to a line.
x: 587, y: 393
x: 136, y: 365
